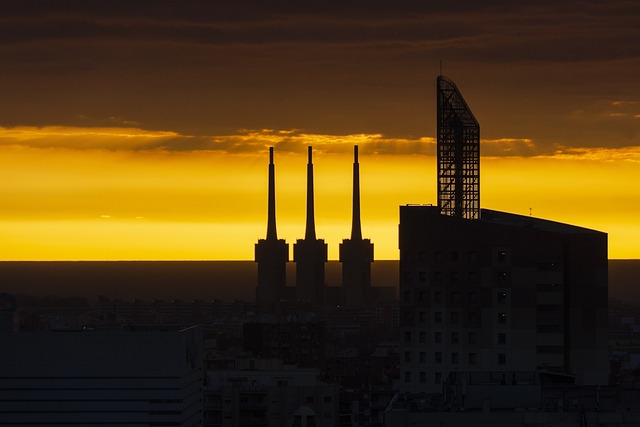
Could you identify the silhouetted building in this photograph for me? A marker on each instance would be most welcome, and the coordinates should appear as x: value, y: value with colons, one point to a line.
x: 293, y: 342
x: 310, y: 254
x: 142, y: 377
x: 266, y: 392
x: 272, y: 254
x: 493, y: 291
x: 503, y: 293
x: 7, y: 309
x: 458, y: 154
x: 356, y: 254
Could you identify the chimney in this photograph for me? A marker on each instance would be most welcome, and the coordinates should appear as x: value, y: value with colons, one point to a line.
x: 310, y: 231
x: 272, y: 234
x: 356, y: 228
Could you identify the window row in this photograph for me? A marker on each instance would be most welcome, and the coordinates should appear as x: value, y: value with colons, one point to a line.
x: 453, y: 277
x: 453, y: 297
x: 454, y: 337
x: 454, y: 357
x: 422, y: 257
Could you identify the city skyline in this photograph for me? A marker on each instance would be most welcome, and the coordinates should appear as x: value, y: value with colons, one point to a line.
x: 140, y: 132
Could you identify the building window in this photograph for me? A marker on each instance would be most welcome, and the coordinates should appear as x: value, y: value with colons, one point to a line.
x: 472, y: 338
x: 423, y: 357
x: 438, y: 357
x: 502, y: 318
x: 407, y: 357
x: 550, y: 329
x: 437, y: 256
x: 421, y: 257
x: 437, y: 317
x: 437, y: 297
x: 423, y: 377
x: 473, y: 297
x: 407, y: 277
x: 454, y: 256
x: 437, y: 337
x: 454, y: 277
x: 328, y: 399
x: 473, y: 278
x: 502, y: 256
x: 407, y: 296
x: 407, y: 377
x: 423, y: 337
x: 421, y: 296
x: 473, y: 257
x: 454, y: 338
x: 437, y: 277
x: 473, y: 318
x: 502, y: 359
x: 502, y: 297
x: 550, y: 349
x: 454, y: 317
x: 502, y: 277
x: 454, y: 358
x: 408, y: 317
x: 407, y: 336
x: 437, y: 377
x: 473, y: 359
x: 309, y: 399
x: 422, y: 277
x: 421, y: 316
x: 549, y: 287
x: 455, y: 297
x: 549, y: 308
x: 502, y: 338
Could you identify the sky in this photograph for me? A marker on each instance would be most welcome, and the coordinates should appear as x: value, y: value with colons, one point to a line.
x: 139, y: 130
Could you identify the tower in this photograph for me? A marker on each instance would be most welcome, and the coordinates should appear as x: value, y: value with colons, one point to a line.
x: 310, y: 253
x: 503, y: 293
x: 356, y: 254
x: 458, y: 154
x: 272, y: 254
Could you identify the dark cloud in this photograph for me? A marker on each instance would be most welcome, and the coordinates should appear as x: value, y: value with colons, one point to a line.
x: 331, y: 67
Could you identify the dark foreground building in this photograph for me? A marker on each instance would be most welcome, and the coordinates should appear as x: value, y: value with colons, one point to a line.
x: 133, y: 376
x: 483, y: 290
x: 501, y: 293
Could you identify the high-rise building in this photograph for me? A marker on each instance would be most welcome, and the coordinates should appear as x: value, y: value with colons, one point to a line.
x: 310, y: 253
x: 272, y: 254
x: 482, y: 290
x: 356, y: 253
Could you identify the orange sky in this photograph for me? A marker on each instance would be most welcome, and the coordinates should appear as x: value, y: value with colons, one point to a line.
x: 74, y: 193
x: 139, y: 130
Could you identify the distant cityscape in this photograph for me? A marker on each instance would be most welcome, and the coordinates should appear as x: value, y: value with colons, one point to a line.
x: 488, y: 318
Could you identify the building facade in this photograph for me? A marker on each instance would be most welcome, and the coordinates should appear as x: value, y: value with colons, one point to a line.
x: 501, y: 293
x: 115, y: 377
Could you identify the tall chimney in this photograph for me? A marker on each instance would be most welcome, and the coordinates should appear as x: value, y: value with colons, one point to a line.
x: 356, y: 253
x: 272, y: 234
x: 310, y: 231
x: 356, y: 228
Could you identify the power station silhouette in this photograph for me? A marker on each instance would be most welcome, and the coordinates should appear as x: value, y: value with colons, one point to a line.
x: 310, y: 254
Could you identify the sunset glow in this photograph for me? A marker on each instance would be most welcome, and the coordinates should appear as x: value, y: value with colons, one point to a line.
x: 132, y: 131
x: 105, y: 194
